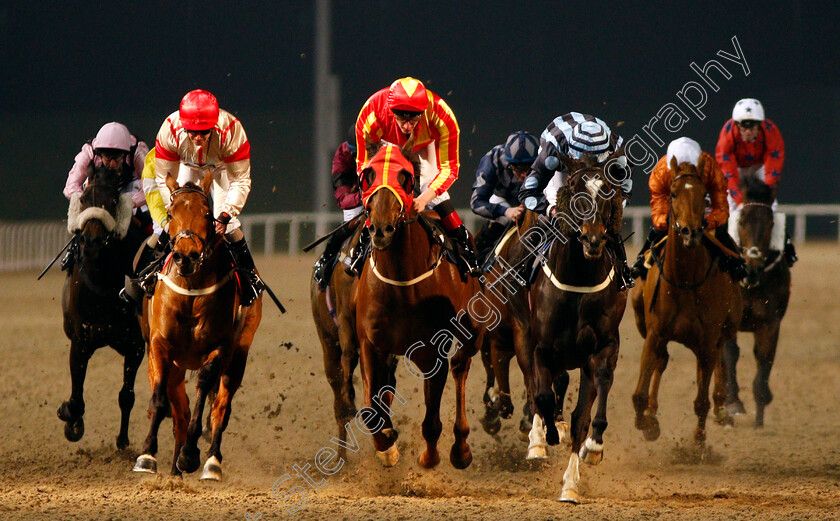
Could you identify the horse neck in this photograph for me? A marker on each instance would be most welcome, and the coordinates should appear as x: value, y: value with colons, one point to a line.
x: 408, y: 255
x: 684, y: 264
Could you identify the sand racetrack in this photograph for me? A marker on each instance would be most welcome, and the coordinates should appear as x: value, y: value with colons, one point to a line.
x: 282, y: 416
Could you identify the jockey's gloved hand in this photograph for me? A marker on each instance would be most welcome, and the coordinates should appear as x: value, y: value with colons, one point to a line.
x: 221, y: 222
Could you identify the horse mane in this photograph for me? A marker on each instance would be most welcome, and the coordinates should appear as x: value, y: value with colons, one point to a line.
x: 756, y: 190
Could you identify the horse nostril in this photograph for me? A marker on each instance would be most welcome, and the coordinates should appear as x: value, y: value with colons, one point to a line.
x: 194, y: 256
x: 178, y: 258
x: 390, y: 228
x: 685, y: 231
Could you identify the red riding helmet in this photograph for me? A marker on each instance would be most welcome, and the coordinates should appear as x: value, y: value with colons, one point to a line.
x: 407, y: 94
x: 199, y: 110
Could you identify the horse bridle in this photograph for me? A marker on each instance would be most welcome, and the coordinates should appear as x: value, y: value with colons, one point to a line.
x: 671, y: 217
x: 754, y: 252
x: 206, y: 248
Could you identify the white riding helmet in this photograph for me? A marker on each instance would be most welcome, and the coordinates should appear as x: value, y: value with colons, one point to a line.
x: 113, y: 135
x: 685, y: 149
x: 748, y: 109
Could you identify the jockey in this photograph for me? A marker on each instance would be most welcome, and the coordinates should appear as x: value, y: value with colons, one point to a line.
x: 498, y: 179
x: 395, y: 113
x: 200, y: 134
x: 349, y: 199
x: 573, y: 135
x: 686, y: 150
x: 750, y: 145
x: 115, y: 148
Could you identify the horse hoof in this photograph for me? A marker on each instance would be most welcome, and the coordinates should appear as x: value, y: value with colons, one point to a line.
x: 650, y: 428
x: 506, y: 410
x: 74, y: 429
x: 122, y: 442
x: 537, y: 453
x: 592, y: 452
x: 146, y: 463
x: 389, y: 457
x: 429, y: 460
x: 735, y: 408
x: 525, y: 426
x: 491, y: 424
x: 552, y: 437
x: 570, y: 496
x: 460, y: 459
x: 391, y: 434
x: 564, y: 432
x: 722, y: 417
x: 189, y: 460
x: 212, y: 470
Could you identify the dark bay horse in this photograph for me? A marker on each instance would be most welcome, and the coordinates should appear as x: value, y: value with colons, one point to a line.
x: 504, y: 283
x: 411, y: 302
x: 94, y: 315
x: 765, y: 296
x: 576, y: 311
x: 335, y: 322
x: 686, y: 298
x: 194, y: 322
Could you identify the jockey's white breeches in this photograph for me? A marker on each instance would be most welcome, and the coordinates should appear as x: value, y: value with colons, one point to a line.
x: 428, y: 171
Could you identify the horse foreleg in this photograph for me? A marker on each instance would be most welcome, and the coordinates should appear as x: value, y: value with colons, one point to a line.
x: 158, y: 407
x: 177, y: 392
x: 560, y: 386
x: 708, y: 357
x: 190, y: 458
x: 229, y: 381
x: 766, y: 340
x: 73, y: 409
x: 525, y: 359
x: 645, y: 421
x: 461, y: 455
x: 432, y: 391
x: 385, y: 386
x: 731, y: 353
x: 592, y: 451
x: 655, y: 380
x: 543, y: 393
x: 722, y: 417
x: 131, y: 363
x: 580, y: 425
x: 490, y: 422
x: 349, y: 361
x: 501, y: 367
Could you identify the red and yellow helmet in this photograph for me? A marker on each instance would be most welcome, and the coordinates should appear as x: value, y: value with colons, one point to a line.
x: 199, y: 110
x: 407, y: 94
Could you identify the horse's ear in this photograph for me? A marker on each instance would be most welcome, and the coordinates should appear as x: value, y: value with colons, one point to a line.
x: 701, y: 164
x: 368, y: 177
x: 674, y: 165
x: 568, y: 162
x: 618, y: 153
x: 407, y: 146
x: 171, y: 182
x: 372, y: 147
x: 206, y: 183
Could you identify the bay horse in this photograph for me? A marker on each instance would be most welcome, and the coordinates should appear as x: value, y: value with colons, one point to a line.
x: 335, y: 323
x: 765, y: 295
x: 686, y: 298
x: 94, y: 315
x: 576, y: 311
x: 194, y: 321
x: 512, y: 336
x: 408, y: 303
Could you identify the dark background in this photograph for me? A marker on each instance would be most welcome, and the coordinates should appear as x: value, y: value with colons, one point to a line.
x: 67, y: 68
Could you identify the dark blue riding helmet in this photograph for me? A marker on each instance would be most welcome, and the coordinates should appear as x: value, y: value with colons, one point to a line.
x: 521, y: 147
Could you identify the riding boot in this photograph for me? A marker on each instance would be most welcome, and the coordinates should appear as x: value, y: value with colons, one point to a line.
x: 69, y: 259
x: 330, y: 252
x: 735, y: 266
x: 790, y: 252
x: 251, y: 283
x: 638, y: 269
x: 466, y: 252
x: 359, y: 253
x: 625, y: 279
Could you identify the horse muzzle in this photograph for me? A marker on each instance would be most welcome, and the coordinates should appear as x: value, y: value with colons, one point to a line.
x: 381, y: 235
x: 690, y: 236
x: 593, y: 245
x: 187, y: 262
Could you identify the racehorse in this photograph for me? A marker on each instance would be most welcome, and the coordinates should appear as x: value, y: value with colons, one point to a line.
x: 335, y: 322
x: 409, y: 297
x: 94, y: 315
x: 194, y: 321
x: 765, y: 295
x: 687, y: 298
x: 575, y: 316
x: 512, y: 336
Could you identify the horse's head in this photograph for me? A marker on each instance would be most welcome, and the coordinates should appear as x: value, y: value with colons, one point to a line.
x: 99, y: 214
x: 388, y: 189
x: 191, y: 226
x: 589, y: 205
x: 688, y: 201
x: 755, y: 224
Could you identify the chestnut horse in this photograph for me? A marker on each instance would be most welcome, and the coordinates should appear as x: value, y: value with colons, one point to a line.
x: 765, y: 296
x: 687, y: 298
x: 576, y: 311
x: 194, y: 321
x: 504, y: 281
x: 409, y: 301
x: 335, y: 322
x: 94, y: 315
